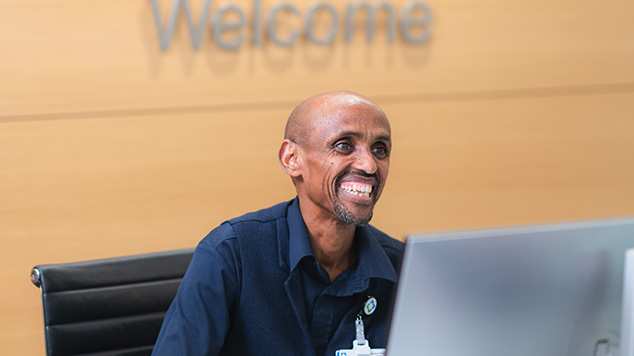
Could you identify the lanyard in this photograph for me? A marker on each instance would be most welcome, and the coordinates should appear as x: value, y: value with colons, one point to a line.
x: 360, y: 346
x: 358, y: 324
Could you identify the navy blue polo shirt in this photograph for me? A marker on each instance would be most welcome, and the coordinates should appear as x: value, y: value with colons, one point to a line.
x: 327, y: 302
x: 254, y: 288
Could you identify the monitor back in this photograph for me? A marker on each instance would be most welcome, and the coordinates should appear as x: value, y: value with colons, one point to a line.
x: 549, y: 290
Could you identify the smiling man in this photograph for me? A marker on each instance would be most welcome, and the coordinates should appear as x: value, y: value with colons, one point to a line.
x: 293, y: 279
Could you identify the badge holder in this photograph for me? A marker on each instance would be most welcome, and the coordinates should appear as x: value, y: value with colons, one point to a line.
x: 360, y: 346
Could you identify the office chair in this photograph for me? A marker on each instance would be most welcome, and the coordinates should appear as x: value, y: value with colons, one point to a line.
x: 108, y: 307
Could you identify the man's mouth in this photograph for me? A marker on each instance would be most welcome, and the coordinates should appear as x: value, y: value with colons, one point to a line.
x: 356, y: 188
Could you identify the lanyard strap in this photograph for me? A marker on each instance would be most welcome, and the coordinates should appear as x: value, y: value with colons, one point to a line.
x: 360, y: 330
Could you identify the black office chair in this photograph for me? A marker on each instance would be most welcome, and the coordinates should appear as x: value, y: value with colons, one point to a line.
x: 108, y: 307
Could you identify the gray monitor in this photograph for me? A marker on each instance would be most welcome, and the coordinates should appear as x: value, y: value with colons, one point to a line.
x: 548, y: 290
x: 627, y: 322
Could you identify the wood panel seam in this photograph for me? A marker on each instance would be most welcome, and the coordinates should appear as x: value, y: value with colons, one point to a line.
x: 497, y: 94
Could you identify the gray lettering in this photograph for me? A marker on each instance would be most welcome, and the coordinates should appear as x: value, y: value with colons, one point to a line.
x: 270, y: 25
x: 196, y: 32
x: 257, y: 28
x: 219, y: 26
x: 415, y: 20
x: 369, y: 23
x: 334, y: 27
x: 408, y: 21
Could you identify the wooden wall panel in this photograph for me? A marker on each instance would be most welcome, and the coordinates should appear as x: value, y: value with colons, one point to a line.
x: 70, y: 56
x: 478, y: 163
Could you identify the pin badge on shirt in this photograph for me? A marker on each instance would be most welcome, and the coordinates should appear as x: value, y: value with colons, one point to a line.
x: 370, y: 306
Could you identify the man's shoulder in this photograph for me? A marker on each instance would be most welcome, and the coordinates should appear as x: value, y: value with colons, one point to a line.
x: 265, y: 215
x: 249, y: 224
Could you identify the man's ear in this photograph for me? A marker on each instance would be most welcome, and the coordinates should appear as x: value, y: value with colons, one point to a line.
x: 289, y: 158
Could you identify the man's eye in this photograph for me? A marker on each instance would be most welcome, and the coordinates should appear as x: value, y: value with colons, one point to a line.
x: 344, y: 146
x: 380, y: 151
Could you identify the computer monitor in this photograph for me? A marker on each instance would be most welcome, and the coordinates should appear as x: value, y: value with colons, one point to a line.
x: 549, y: 290
x: 627, y: 322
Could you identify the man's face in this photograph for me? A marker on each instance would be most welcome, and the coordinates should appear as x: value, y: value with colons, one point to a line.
x: 346, y: 159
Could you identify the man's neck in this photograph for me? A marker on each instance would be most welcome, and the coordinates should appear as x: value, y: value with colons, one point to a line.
x: 331, y: 240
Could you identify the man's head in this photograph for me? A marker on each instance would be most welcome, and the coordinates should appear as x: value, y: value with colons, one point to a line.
x: 336, y: 149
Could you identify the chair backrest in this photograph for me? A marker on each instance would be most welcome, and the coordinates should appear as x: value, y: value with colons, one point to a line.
x: 108, y: 307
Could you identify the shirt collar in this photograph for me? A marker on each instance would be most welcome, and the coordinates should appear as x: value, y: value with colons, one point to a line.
x: 373, y: 261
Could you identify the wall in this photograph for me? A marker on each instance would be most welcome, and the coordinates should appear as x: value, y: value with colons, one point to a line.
x: 514, y: 112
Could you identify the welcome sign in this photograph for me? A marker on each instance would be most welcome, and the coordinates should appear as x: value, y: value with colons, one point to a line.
x: 230, y: 26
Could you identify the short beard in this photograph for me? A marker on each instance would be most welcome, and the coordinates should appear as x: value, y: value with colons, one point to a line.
x: 346, y: 216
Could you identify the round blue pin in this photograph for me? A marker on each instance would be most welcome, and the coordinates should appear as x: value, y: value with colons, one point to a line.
x: 370, y: 306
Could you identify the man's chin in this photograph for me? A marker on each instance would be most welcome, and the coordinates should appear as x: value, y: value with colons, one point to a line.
x: 350, y: 218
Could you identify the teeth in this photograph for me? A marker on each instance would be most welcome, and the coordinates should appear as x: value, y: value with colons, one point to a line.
x: 357, y: 189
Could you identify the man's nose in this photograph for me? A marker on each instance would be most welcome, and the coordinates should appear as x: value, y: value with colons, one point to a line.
x: 364, y: 161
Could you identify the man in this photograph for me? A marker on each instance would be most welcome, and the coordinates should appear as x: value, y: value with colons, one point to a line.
x: 292, y: 279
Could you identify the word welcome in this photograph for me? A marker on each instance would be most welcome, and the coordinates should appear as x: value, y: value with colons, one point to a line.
x: 229, y: 22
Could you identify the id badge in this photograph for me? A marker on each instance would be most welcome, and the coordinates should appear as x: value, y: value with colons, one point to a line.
x: 360, y: 346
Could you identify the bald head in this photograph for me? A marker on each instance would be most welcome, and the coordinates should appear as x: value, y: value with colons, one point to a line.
x: 311, y: 112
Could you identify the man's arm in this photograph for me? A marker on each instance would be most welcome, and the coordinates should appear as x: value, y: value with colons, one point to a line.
x: 199, y: 318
